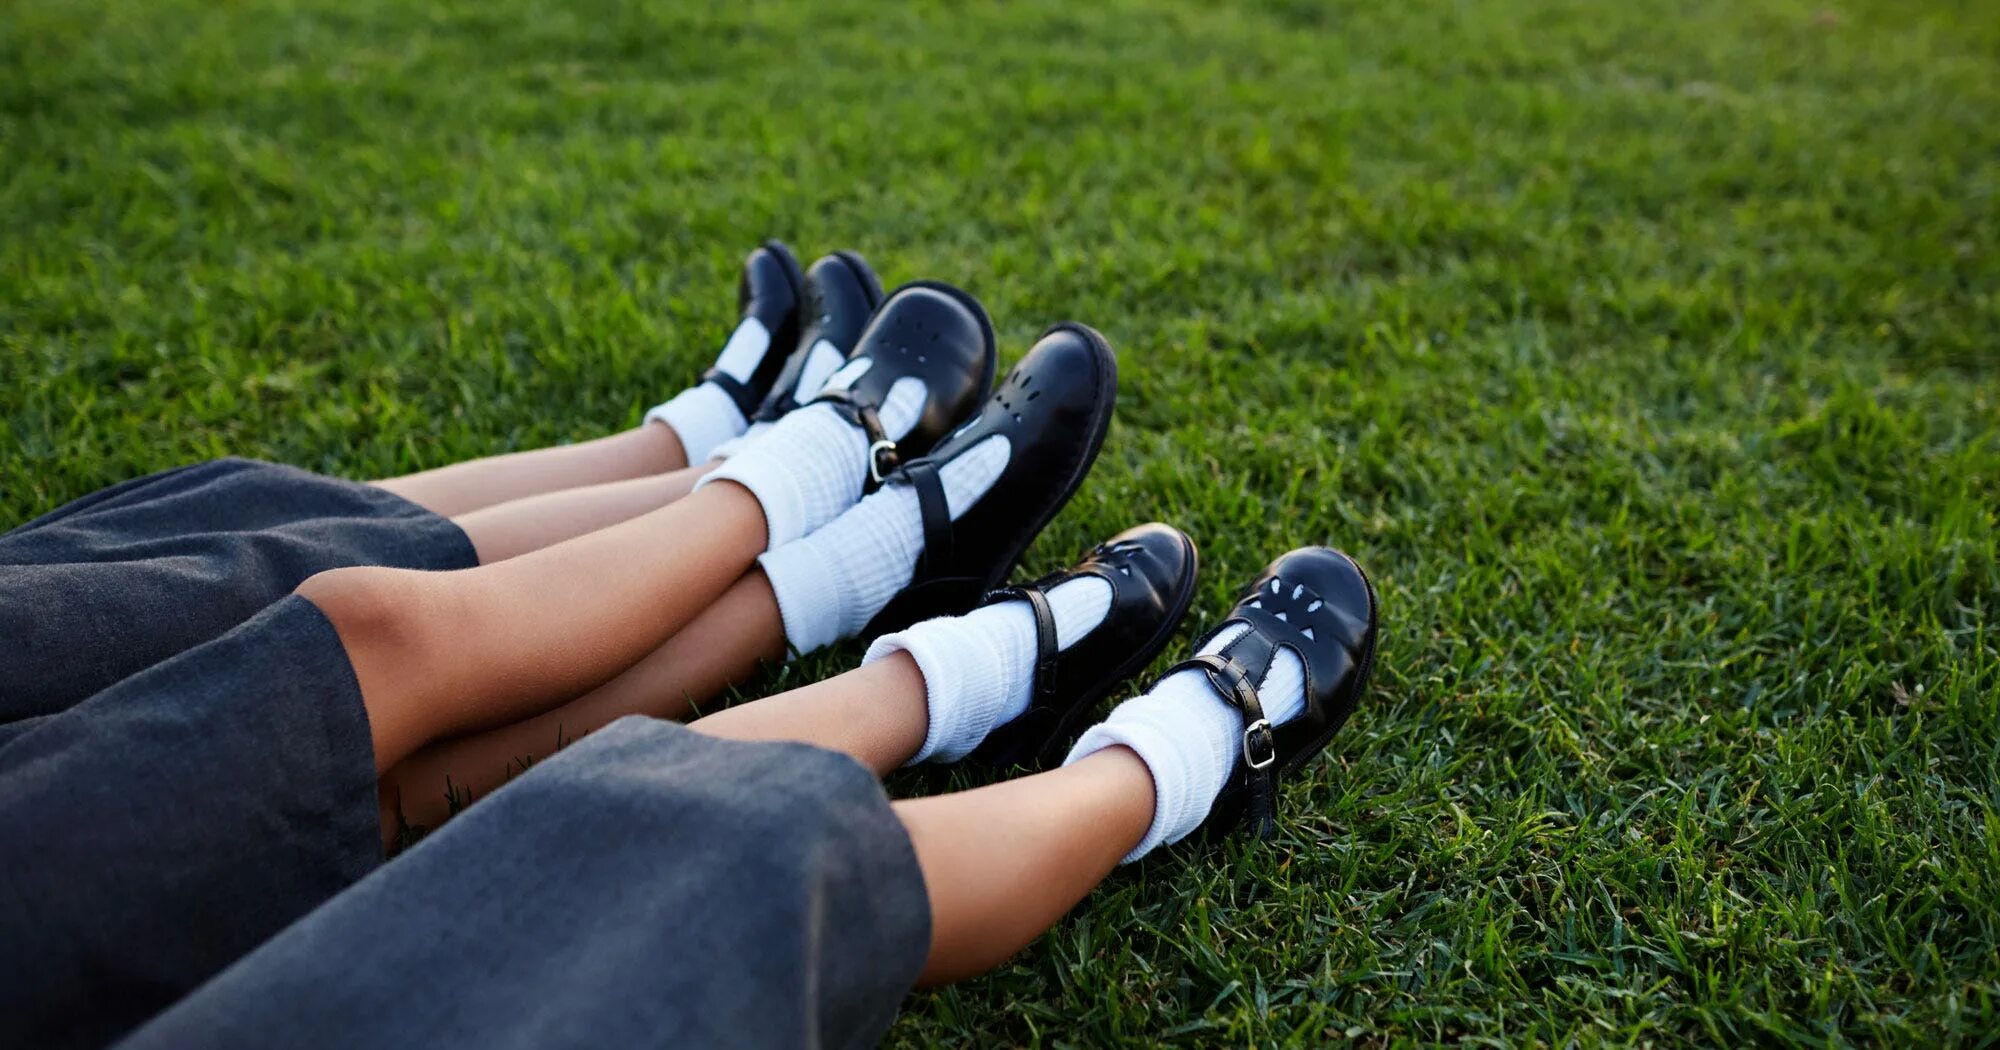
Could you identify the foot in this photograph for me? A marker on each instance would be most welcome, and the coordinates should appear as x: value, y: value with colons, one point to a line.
x: 1051, y: 414
x: 768, y: 299
x: 922, y: 363
x: 1151, y: 571
x: 841, y: 294
x: 947, y: 528
x: 927, y: 331
x: 1012, y: 676
x: 1265, y: 692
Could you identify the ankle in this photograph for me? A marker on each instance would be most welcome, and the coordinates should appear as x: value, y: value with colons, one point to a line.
x: 1190, y: 739
x: 979, y: 669
x: 699, y: 419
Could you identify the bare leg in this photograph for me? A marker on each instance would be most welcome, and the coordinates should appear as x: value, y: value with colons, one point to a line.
x: 1001, y: 863
x: 513, y: 528
x: 875, y: 713
x: 440, y: 653
x: 649, y: 448
x: 721, y: 647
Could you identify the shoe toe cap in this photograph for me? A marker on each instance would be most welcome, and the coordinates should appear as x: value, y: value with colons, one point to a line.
x: 932, y: 329
x: 1349, y: 603
x: 1158, y: 555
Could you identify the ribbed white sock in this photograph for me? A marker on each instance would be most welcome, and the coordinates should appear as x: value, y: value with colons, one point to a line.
x: 831, y: 583
x: 979, y: 669
x: 821, y: 361
x: 703, y: 416
x: 811, y: 465
x: 1190, y: 739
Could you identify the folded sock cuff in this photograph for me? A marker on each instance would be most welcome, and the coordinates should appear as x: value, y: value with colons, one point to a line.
x: 808, y: 595
x: 735, y: 444
x: 703, y: 417
x: 965, y: 685
x: 804, y: 471
x: 1144, y: 739
x: 1188, y: 738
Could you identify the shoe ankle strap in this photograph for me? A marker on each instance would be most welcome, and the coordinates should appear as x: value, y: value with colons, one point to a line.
x: 935, y: 510
x: 883, y: 458
x: 1260, y: 744
x: 1047, y: 650
x: 745, y: 398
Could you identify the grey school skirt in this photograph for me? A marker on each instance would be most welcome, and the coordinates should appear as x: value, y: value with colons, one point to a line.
x: 126, y: 577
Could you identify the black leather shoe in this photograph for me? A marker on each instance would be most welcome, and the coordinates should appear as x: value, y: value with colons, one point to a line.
x: 1053, y: 409
x: 772, y: 290
x: 841, y: 293
x: 1151, y: 570
x: 1316, y: 602
x: 932, y: 331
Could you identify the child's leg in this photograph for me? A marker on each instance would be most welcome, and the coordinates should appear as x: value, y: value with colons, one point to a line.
x: 1003, y: 862
x: 875, y: 713
x: 753, y: 622
x: 844, y: 572
x: 878, y: 713
x: 714, y: 893
x: 680, y: 433
x: 516, y: 527
x: 806, y: 468
x: 649, y: 448
x: 439, y: 654
x: 443, y: 653
x: 721, y: 647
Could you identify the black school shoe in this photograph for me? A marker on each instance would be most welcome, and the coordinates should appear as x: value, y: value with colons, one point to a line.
x: 771, y: 290
x: 937, y: 333
x: 841, y: 294
x: 1152, y: 572
x: 1316, y: 602
x: 1053, y: 409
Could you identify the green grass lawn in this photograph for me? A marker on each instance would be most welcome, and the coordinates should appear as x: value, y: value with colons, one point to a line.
x: 1646, y: 358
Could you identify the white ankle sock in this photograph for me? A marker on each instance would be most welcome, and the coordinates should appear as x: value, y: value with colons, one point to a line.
x: 831, y: 583
x: 979, y: 669
x: 735, y: 444
x: 811, y: 465
x: 821, y: 362
x: 1190, y: 739
x: 703, y: 416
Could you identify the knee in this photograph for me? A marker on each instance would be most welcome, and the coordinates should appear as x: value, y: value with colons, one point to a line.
x: 371, y: 608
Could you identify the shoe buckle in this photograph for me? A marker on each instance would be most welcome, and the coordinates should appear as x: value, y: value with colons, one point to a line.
x: 876, y: 470
x: 1257, y: 739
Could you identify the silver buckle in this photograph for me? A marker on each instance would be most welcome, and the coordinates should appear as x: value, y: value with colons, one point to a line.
x: 875, y: 458
x: 1250, y: 731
